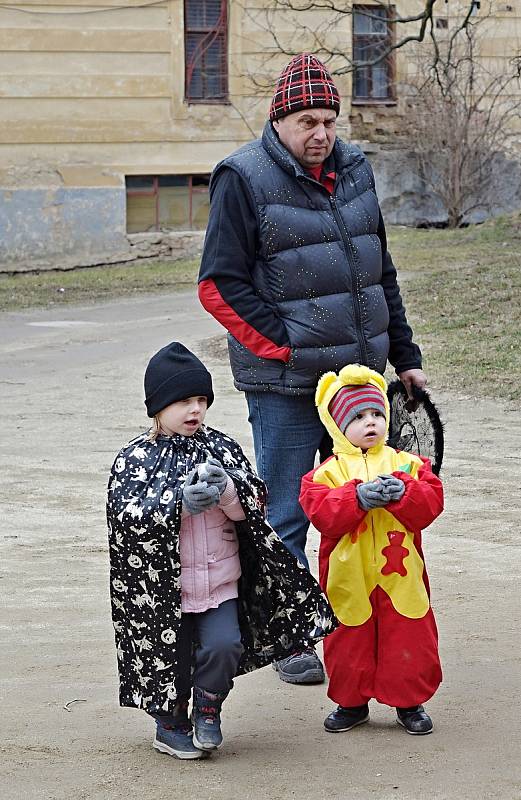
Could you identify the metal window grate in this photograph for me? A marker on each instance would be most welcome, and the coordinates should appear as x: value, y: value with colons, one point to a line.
x: 206, y: 51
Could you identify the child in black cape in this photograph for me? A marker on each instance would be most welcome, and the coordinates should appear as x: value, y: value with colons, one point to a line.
x: 202, y: 588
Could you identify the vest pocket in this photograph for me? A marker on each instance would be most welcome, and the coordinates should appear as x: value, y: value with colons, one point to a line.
x: 252, y: 370
x: 304, y: 360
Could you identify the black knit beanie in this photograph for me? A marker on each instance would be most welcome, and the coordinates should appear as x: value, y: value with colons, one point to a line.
x: 174, y: 373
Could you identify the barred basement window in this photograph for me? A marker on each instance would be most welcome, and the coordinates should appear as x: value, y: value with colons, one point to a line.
x: 167, y: 202
x: 206, y: 51
x: 373, y: 79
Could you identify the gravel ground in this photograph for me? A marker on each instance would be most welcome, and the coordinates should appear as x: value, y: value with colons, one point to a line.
x: 71, y: 384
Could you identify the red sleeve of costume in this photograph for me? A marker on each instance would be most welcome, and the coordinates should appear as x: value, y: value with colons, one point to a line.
x: 213, y: 301
x: 422, y: 500
x: 333, y: 512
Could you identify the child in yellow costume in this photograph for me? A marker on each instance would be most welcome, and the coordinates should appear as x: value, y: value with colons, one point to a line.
x: 370, y: 504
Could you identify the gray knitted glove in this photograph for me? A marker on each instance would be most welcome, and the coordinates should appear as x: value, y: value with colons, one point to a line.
x: 213, y: 474
x: 393, y: 487
x: 371, y: 494
x: 198, y: 496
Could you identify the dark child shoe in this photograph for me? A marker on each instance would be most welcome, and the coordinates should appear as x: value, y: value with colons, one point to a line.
x: 343, y: 719
x: 206, y: 718
x: 415, y: 720
x: 176, y: 741
x: 301, y: 667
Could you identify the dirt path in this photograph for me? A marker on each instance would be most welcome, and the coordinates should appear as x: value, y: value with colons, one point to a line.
x: 70, y: 384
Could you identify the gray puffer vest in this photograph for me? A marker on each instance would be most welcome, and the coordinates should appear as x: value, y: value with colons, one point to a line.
x: 318, y: 266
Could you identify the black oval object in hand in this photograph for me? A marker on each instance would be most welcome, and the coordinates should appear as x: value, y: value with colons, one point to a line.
x: 415, y: 425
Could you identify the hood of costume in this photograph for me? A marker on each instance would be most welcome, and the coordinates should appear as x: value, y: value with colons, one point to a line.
x: 330, y: 383
x: 383, y: 546
x: 281, y: 607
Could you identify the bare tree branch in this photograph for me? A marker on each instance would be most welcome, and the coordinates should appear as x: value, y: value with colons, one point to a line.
x: 314, y: 36
x: 458, y: 120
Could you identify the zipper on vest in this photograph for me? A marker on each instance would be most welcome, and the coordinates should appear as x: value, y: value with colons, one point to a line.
x: 351, y: 260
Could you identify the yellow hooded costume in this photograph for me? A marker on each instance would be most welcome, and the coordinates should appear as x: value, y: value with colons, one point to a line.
x: 377, y: 548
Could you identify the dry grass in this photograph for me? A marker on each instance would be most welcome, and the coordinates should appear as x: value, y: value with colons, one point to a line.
x: 94, y: 284
x: 463, y: 294
x: 462, y: 290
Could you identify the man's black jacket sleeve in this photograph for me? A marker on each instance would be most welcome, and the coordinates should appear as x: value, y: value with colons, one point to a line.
x: 226, y: 289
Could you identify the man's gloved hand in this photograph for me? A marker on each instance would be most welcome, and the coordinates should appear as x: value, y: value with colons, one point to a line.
x: 371, y: 494
x: 213, y: 474
x: 197, y: 495
x: 393, y: 487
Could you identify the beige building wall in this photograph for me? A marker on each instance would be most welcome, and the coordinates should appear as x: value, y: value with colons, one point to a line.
x: 91, y: 92
x: 82, y: 83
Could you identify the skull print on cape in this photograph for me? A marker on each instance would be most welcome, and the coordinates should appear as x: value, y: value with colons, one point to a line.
x: 281, y: 607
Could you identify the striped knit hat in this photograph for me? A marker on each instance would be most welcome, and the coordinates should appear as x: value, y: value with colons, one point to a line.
x: 304, y: 83
x: 350, y: 400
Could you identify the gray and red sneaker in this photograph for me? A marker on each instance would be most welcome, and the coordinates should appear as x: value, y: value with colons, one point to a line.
x: 303, y: 666
x: 206, y: 718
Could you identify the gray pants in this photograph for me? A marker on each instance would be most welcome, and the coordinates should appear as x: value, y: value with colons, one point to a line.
x: 217, y: 653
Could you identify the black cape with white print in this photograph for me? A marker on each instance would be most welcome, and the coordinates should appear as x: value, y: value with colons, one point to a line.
x: 281, y: 607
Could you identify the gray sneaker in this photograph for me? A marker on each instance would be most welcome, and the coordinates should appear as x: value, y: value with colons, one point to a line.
x: 176, y: 741
x: 302, y: 667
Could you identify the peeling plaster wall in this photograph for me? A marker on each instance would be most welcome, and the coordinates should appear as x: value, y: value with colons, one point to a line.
x: 47, y: 222
x: 67, y: 227
x: 93, y: 90
x: 61, y: 226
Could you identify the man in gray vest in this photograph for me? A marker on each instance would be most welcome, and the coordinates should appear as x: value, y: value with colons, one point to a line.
x: 296, y: 268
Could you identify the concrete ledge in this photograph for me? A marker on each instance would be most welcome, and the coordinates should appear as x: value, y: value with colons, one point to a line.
x: 161, y: 246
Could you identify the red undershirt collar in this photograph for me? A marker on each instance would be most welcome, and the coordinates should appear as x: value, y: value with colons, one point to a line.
x: 326, y: 179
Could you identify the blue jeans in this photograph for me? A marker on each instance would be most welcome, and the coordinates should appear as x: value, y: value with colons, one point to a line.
x: 287, y: 434
x: 218, y: 652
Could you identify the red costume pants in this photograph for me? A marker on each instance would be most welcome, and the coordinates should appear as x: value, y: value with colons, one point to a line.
x: 390, y: 657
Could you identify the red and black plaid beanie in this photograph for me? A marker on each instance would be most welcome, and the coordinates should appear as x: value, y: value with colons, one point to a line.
x: 350, y: 400
x: 304, y: 83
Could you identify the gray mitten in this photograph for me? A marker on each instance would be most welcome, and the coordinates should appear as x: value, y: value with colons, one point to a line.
x: 213, y: 474
x: 393, y: 487
x: 371, y: 495
x: 198, y: 496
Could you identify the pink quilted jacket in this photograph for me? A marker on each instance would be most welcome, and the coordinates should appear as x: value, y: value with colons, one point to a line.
x: 210, y: 566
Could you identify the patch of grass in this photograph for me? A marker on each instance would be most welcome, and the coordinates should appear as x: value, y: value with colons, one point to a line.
x: 421, y: 249
x: 94, y: 284
x: 462, y: 291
